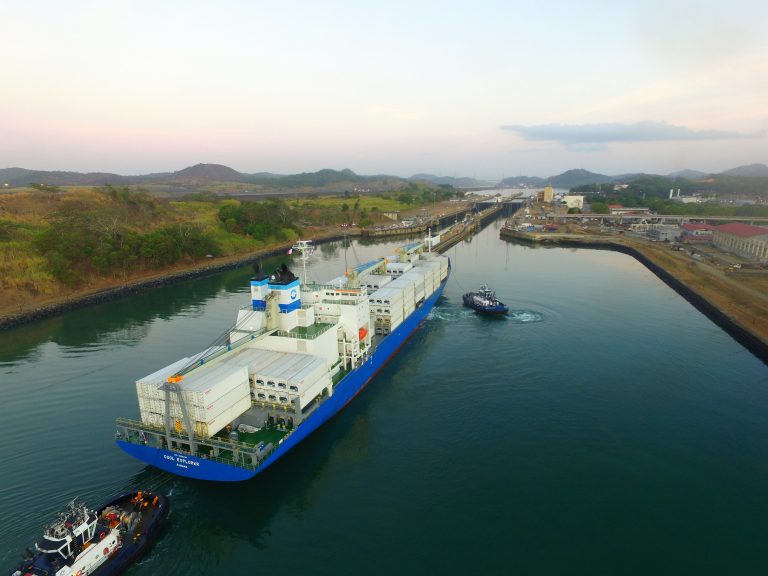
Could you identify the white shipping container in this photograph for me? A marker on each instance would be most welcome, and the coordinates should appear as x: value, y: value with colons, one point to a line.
x: 405, y: 292
x: 393, y: 309
x: 375, y: 281
x: 153, y: 419
x: 431, y: 269
x: 212, y: 381
x: 148, y: 385
x: 288, y: 365
x: 398, y: 268
x: 314, y: 388
x: 310, y: 374
x: 287, y: 369
x: 383, y: 294
x: 195, y: 411
x: 204, y: 428
x: 393, y: 318
x: 219, y: 422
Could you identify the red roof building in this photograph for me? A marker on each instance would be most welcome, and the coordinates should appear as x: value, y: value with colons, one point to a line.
x: 697, y: 232
x: 689, y: 226
x: 747, y: 241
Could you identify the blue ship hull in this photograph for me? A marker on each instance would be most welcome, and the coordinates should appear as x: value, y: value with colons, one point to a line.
x: 343, y: 393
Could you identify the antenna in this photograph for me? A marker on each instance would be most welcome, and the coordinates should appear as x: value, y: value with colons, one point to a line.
x: 306, y: 248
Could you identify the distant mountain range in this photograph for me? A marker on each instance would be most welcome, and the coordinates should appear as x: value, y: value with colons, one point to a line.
x: 456, y: 182
x: 580, y: 177
x: 331, y: 180
x: 197, y: 176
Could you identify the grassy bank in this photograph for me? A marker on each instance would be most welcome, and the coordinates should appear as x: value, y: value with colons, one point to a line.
x: 59, y: 246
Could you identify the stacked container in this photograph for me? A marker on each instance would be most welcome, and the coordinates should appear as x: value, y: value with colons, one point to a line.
x: 386, y: 305
x: 375, y: 281
x: 398, y: 268
x: 432, y: 274
x: 416, y: 275
x: 280, y: 377
x: 406, y: 285
x: 443, y: 267
x: 213, y: 397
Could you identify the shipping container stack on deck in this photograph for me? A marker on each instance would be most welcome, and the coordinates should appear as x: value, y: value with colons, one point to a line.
x: 218, y: 394
x: 213, y: 396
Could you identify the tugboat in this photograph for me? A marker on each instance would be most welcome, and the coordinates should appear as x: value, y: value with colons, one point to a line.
x: 484, y: 301
x: 84, y: 542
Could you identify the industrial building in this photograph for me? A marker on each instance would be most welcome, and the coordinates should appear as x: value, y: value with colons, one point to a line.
x: 663, y: 232
x: 750, y: 242
x: 697, y: 232
x: 572, y: 201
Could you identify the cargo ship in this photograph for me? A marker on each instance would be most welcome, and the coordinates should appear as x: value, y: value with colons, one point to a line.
x: 296, y: 355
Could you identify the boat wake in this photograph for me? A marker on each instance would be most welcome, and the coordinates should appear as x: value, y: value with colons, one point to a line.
x: 445, y: 313
x: 524, y: 316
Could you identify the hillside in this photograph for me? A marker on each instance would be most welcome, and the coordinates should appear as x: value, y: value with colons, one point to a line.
x: 578, y: 177
x: 16, y: 177
x: 203, y: 173
x: 748, y: 171
x: 211, y: 177
x: 220, y: 179
x: 460, y: 182
x: 687, y: 174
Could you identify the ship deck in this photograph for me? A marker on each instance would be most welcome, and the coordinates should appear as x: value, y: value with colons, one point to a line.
x: 219, y: 447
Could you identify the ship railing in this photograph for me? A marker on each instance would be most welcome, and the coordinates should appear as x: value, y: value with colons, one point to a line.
x: 342, y: 302
x: 306, y: 336
x: 318, y: 286
x: 232, y: 446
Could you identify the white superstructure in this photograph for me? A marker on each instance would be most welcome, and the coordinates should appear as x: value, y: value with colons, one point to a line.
x: 290, y: 346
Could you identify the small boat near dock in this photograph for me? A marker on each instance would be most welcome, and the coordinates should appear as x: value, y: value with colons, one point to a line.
x: 105, y: 542
x: 484, y: 301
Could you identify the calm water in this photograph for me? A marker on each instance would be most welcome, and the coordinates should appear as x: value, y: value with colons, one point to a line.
x: 605, y: 427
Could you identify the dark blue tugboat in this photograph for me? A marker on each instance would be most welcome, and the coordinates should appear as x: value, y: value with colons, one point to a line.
x: 484, y: 301
x: 83, y: 542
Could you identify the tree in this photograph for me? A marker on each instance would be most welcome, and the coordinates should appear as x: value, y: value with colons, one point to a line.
x: 599, y: 208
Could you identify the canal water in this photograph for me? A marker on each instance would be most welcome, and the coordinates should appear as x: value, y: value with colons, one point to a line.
x: 604, y: 427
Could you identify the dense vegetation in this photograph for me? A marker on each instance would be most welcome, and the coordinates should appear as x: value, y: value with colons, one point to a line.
x: 52, y: 238
x: 599, y: 205
x: 720, y: 195
x: 117, y: 234
x: 721, y: 187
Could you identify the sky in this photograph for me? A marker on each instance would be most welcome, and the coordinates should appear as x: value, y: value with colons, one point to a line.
x: 476, y: 88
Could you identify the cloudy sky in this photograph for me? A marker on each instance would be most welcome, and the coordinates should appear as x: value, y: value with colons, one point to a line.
x: 459, y: 88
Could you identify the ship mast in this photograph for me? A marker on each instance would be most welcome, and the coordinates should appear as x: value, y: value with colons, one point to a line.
x: 306, y: 248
